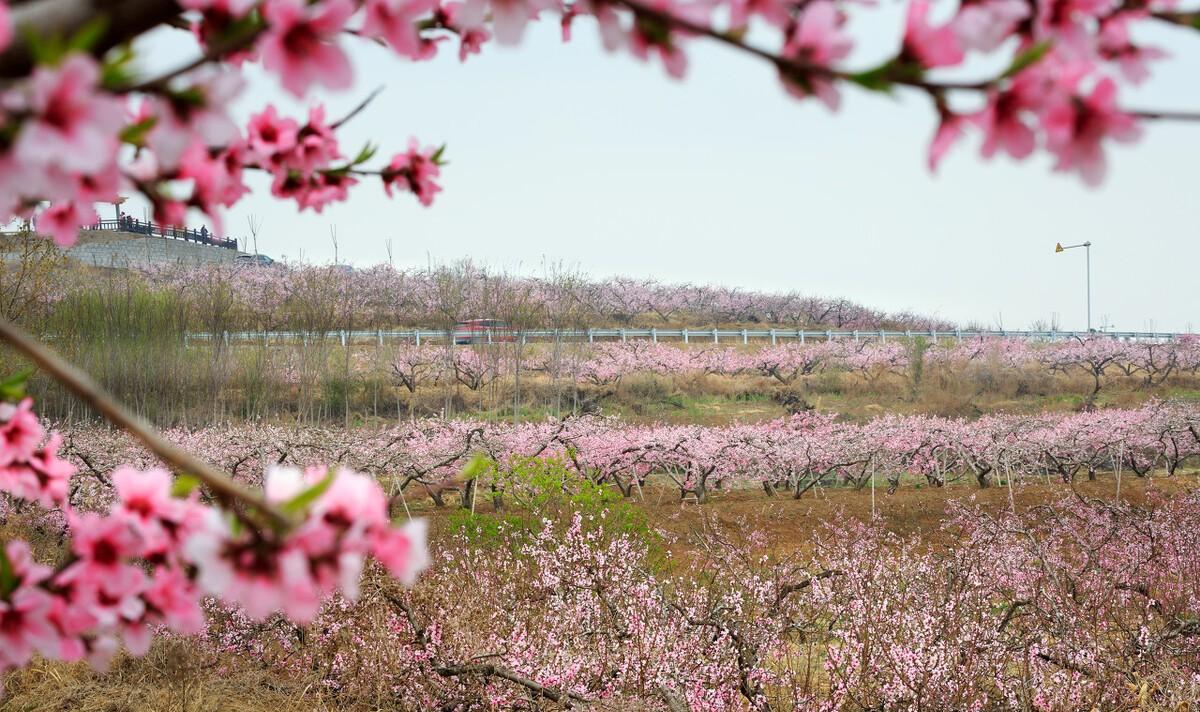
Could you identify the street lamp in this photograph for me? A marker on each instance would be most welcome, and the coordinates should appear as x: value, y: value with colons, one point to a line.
x: 1059, y: 247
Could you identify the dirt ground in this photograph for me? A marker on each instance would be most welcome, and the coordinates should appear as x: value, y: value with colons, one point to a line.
x: 910, y: 510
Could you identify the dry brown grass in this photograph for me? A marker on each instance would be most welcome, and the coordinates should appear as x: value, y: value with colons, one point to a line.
x: 171, y: 678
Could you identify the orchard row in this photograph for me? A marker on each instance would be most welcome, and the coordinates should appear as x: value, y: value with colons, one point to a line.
x: 600, y: 364
x: 794, y: 454
x: 322, y: 299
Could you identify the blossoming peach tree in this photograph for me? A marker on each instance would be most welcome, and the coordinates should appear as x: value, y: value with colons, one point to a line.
x: 80, y: 124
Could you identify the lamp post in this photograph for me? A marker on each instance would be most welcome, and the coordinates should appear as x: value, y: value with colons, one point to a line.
x: 1059, y: 247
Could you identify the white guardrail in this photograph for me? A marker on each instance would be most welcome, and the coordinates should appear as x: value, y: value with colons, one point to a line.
x: 714, y: 336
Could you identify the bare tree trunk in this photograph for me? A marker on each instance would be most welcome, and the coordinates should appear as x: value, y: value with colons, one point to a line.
x: 468, y: 495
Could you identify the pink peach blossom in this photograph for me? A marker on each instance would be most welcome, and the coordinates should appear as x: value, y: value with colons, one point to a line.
x: 172, y: 598
x: 25, y: 626
x: 301, y: 44
x: 509, y: 17
x: 73, y: 125
x: 1115, y: 44
x: 6, y: 29
x: 63, y: 219
x: 949, y: 131
x: 817, y: 39
x: 414, y: 170
x: 984, y: 25
x: 1076, y: 130
x: 395, y: 21
x: 927, y: 45
x: 20, y: 432
x: 402, y: 551
x: 270, y: 136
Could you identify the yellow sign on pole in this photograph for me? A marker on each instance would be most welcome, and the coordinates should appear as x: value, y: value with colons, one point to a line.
x: 1058, y: 247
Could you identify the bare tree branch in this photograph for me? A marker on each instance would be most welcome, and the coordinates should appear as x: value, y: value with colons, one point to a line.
x: 93, y: 395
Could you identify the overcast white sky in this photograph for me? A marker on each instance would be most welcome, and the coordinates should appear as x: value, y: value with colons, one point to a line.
x: 568, y: 154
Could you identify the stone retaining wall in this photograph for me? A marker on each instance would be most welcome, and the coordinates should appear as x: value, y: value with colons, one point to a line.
x: 107, y: 248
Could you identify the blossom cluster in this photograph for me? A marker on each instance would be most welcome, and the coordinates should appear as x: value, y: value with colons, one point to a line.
x: 304, y: 161
x: 30, y: 468
x: 71, y: 127
x: 69, y: 119
x: 145, y: 564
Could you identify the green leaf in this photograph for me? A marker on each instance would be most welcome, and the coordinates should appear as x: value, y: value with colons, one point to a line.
x: 190, y: 96
x: 366, y: 154
x: 301, y: 502
x: 877, y: 79
x: 241, y: 29
x: 52, y: 49
x: 1029, y: 57
x: 13, y: 387
x: 117, y: 70
x: 86, y: 37
x: 235, y: 525
x: 183, y: 485
x: 8, y: 577
x: 437, y: 155
x: 135, y: 134
x: 44, y: 50
x: 476, y: 467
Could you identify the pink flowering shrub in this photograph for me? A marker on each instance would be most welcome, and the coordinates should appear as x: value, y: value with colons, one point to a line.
x: 1056, y: 609
x: 571, y: 609
x: 144, y: 562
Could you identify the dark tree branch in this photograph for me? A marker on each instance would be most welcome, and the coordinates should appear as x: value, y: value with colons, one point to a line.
x: 356, y: 110
x: 212, y: 53
x: 125, y: 19
x: 490, y: 670
x: 788, y: 589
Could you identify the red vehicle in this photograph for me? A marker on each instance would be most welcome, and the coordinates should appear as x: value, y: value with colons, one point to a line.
x: 482, y: 331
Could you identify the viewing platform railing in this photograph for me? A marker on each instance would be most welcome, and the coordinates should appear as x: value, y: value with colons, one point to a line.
x: 144, y: 227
